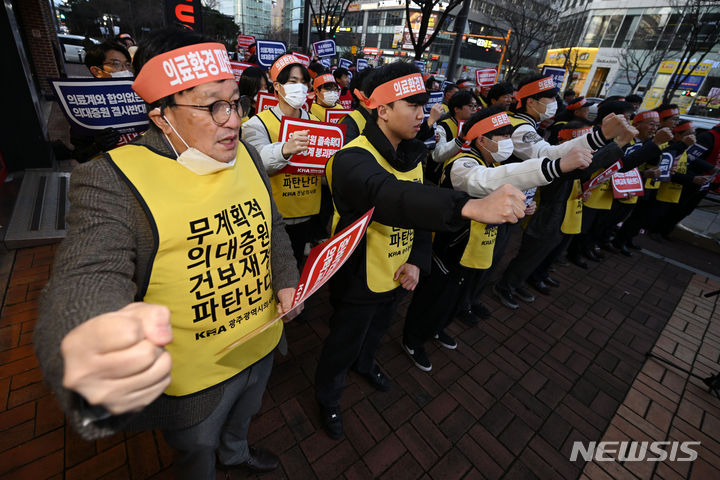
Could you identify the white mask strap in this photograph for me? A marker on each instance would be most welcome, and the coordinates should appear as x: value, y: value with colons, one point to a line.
x: 176, y: 133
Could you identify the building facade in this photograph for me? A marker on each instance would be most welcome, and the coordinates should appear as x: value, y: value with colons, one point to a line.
x: 254, y: 17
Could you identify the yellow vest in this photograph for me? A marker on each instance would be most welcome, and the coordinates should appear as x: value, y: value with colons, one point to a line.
x: 319, y: 111
x: 452, y: 125
x: 295, y: 195
x: 669, y: 192
x: 478, y: 253
x: 602, y: 197
x: 387, y: 248
x: 652, y: 183
x: 359, y: 119
x: 572, y: 222
x: 212, y: 263
x: 446, y: 109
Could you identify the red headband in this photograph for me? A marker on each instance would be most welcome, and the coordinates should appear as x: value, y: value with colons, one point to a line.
x: 668, y: 112
x: 393, y: 90
x: 182, y: 68
x: 533, y: 88
x: 323, y: 79
x: 683, y: 127
x: 570, y: 133
x: 281, y: 63
x: 645, y: 116
x: 581, y: 102
x: 487, y: 125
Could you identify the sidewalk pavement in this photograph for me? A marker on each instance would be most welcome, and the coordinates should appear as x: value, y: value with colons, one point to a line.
x: 508, y: 403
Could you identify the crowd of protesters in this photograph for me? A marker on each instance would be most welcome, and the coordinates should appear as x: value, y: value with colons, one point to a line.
x: 448, y: 188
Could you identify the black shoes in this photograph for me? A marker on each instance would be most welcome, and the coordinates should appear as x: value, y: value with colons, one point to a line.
x: 445, y: 340
x: 523, y: 294
x: 539, y: 286
x: 505, y: 295
x: 259, y: 461
x: 468, y: 317
x: 332, y: 421
x: 377, y: 379
x: 630, y: 244
x: 578, y: 261
x: 551, y: 281
x: 418, y: 356
x: 609, y: 247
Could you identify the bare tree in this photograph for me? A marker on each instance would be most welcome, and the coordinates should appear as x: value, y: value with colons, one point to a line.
x: 422, y: 40
x: 636, y: 64
x: 533, y: 27
x: 327, y: 15
x: 697, y: 34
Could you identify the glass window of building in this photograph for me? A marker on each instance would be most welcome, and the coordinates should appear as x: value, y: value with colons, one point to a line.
x: 628, y: 24
x: 375, y: 18
x: 595, y: 31
x: 353, y: 19
x: 395, y: 17
x: 646, y: 34
x: 612, y: 28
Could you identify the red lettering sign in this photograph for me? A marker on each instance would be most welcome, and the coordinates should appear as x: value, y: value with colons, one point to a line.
x: 322, y: 263
x: 324, y: 140
x: 265, y: 101
x: 334, y: 115
x: 244, y: 41
x: 238, y: 68
x: 304, y: 59
x: 485, y: 77
x: 603, y: 177
x: 628, y: 184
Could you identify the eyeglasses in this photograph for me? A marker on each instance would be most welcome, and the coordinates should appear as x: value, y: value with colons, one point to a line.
x: 221, y: 110
x: 473, y: 106
x: 117, y: 64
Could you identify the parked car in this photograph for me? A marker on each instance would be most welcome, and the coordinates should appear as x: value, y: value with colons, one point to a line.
x: 73, y: 47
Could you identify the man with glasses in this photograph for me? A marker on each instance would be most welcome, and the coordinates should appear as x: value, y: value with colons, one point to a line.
x: 175, y: 250
x: 462, y: 106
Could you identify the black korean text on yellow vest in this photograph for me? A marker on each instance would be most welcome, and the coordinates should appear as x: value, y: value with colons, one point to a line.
x: 212, y: 263
x: 387, y: 247
x: 295, y: 195
x: 478, y: 253
x: 572, y: 222
x: 669, y: 192
x: 319, y: 111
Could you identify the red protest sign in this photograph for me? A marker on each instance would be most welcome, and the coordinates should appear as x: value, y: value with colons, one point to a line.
x: 333, y: 115
x: 628, y: 184
x: 603, y: 177
x: 323, y: 141
x: 244, y: 41
x: 238, y: 68
x: 304, y: 59
x: 371, y: 51
x: 265, y: 101
x: 322, y: 263
x: 485, y: 77
x: 346, y: 100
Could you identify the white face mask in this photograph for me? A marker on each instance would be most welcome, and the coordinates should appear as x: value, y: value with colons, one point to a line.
x: 195, y: 160
x: 331, y: 97
x: 550, y: 110
x: 122, y: 74
x: 505, y: 148
x: 295, y: 94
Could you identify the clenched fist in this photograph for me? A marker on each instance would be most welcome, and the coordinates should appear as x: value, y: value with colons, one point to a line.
x: 577, y: 158
x: 613, y: 125
x: 662, y: 136
x: 297, y: 144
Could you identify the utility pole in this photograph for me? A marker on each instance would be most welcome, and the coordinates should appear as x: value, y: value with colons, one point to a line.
x: 460, y: 22
x: 306, y: 28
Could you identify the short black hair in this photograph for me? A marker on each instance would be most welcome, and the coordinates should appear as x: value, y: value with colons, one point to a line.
x: 162, y: 41
x: 390, y: 72
x: 544, y: 94
x: 249, y: 82
x: 449, y: 87
x: 459, y: 100
x: 613, y: 106
x: 284, y: 74
x: 317, y: 67
x: 569, y: 92
x: 500, y: 89
x: 339, y: 72
x: 429, y: 82
x: 359, y: 81
x: 485, y: 113
x: 95, y: 56
x: 665, y: 106
x: 682, y: 122
x: 633, y: 98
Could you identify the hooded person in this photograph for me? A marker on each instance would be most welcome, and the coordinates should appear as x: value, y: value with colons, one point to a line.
x: 382, y: 168
x: 175, y: 250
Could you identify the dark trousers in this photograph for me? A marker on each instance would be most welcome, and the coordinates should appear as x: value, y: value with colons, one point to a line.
x: 436, y: 301
x: 584, y: 240
x: 355, y: 333
x: 641, y: 217
x: 689, y: 199
x: 543, y: 270
x: 299, y: 234
x: 225, y: 430
x: 618, y: 213
x: 478, y: 282
x: 532, y: 252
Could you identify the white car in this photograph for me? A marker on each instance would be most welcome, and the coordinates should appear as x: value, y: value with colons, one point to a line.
x: 73, y: 49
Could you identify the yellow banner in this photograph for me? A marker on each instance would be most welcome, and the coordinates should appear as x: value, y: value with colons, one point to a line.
x: 582, y: 57
x: 669, y: 66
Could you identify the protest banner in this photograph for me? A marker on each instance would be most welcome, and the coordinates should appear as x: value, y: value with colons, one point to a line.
x: 435, y: 98
x: 322, y: 263
x: 325, y: 48
x: 421, y: 65
x: 627, y: 184
x: 265, y: 101
x: 529, y: 195
x: 323, y: 141
x: 361, y: 64
x: 665, y: 166
x: 334, y: 115
x: 485, y: 77
x: 268, y: 51
x: 92, y: 105
x: 304, y: 59
x: 603, y: 177
x: 244, y: 41
x: 557, y: 74
x: 238, y: 68
x: 345, y: 63
x: 325, y: 62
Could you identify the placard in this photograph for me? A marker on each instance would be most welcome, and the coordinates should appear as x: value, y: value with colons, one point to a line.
x: 239, y: 67
x: 665, y: 166
x: 268, y: 51
x: 485, y: 77
x: 322, y: 263
x: 603, y: 177
x: 345, y: 63
x: 361, y: 64
x: 529, y: 195
x: 244, y: 41
x: 334, y: 115
x: 325, y: 48
x: 435, y: 98
x: 265, y: 101
x: 304, y: 59
x: 323, y: 141
x: 557, y: 74
x: 325, y: 62
x: 94, y: 104
x: 628, y: 184
x: 421, y: 65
